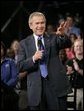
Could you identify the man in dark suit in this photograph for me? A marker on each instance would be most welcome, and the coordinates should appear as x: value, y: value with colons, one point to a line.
x: 47, y: 92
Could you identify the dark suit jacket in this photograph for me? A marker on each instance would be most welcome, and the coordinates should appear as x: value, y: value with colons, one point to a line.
x: 58, y: 81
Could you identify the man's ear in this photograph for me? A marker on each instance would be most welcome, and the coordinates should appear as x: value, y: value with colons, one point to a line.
x: 30, y: 26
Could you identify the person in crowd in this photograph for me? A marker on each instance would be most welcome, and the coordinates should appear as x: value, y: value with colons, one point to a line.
x: 75, y: 71
x: 21, y: 86
x: 47, y: 83
x: 15, y: 47
x: 9, y: 73
x: 63, y: 56
x: 73, y: 37
x: 69, y: 51
x: 50, y: 29
x: 71, y: 28
x: 10, y: 53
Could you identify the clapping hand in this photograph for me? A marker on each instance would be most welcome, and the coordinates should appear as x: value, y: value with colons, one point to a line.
x: 75, y: 64
x: 69, y: 70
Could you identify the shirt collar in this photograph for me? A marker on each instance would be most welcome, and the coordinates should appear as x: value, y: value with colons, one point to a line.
x: 36, y: 37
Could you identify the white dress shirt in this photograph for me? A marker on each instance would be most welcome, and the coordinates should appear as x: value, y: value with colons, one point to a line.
x: 36, y: 40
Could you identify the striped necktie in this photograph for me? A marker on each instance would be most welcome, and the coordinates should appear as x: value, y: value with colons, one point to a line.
x: 43, y: 66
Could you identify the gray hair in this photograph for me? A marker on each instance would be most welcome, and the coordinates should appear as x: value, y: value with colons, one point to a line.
x: 35, y: 14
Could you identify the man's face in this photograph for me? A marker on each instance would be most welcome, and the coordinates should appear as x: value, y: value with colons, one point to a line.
x: 69, y: 21
x: 38, y: 25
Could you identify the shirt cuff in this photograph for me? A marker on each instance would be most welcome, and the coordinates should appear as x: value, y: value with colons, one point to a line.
x: 33, y: 59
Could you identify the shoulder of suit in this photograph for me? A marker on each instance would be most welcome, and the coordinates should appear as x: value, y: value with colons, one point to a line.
x: 47, y: 35
x: 26, y: 39
x: 50, y: 36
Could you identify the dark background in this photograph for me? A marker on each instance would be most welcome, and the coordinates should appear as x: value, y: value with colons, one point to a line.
x: 14, y: 15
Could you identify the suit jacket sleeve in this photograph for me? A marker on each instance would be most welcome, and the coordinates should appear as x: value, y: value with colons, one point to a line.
x: 25, y: 63
x: 63, y: 42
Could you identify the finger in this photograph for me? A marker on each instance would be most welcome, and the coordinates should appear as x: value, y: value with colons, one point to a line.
x: 74, y: 60
x: 60, y: 28
x: 65, y: 24
x: 67, y: 66
x: 62, y: 24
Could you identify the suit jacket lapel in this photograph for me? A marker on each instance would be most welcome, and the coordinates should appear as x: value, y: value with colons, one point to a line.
x: 32, y: 45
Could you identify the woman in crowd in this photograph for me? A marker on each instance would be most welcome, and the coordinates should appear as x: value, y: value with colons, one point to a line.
x: 75, y: 70
x: 9, y: 74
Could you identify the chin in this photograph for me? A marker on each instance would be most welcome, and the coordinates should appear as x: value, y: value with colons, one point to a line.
x: 40, y: 33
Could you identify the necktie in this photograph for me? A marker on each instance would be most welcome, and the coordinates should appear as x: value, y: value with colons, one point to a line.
x: 43, y: 66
